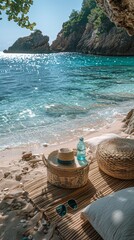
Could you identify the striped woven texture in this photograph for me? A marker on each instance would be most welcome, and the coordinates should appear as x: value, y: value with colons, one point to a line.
x: 71, y: 227
x: 116, y: 157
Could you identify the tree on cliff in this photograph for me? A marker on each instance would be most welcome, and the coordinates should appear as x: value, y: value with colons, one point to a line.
x: 90, y: 13
x: 77, y: 19
x: 17, y: 11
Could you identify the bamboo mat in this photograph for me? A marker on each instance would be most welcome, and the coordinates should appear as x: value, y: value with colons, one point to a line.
x: 71, y: 227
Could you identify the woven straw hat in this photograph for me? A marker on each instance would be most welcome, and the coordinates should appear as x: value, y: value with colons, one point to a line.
x: 65, y: 154
x: 65, y: 161
x: 116, y: 157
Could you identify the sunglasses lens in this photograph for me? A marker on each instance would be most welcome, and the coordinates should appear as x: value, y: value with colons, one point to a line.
x: 61, y: 210
x: 72, y: 203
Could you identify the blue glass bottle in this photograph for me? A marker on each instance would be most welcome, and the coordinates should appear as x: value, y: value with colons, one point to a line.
x: 81, y: 150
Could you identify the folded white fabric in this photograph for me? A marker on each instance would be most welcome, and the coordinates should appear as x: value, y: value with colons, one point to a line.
x: 95, y: 141
x: 113, y: 216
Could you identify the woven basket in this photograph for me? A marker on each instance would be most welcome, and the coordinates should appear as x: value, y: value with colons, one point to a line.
x: 66, y: 176
x: 115, y: 157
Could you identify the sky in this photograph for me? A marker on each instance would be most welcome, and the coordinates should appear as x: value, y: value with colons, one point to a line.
x: 49, y: 16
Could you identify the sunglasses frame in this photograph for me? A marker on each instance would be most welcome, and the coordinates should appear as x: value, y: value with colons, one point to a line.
x: 67, y: 204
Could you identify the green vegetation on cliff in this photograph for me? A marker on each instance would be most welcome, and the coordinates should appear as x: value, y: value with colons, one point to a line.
x: 77, y: 19
x: 90, y: 13
x: 99, y: 20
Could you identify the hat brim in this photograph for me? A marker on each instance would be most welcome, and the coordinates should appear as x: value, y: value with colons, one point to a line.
x: 53, y: 161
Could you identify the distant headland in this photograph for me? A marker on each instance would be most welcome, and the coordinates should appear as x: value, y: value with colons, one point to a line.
x: 34, y: 43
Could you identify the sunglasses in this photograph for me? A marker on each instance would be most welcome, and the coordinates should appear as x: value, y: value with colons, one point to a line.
x: 62, y: 209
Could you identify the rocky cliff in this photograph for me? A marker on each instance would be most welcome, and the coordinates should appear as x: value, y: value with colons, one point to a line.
x: 35, y: 43
x: 115, y: 42
x: 121, y: 12
x: 129, y: 122
x: 98, y: 35
x: 66, y: 44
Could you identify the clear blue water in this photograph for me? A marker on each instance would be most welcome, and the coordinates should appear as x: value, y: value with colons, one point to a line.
x: 54, y: 97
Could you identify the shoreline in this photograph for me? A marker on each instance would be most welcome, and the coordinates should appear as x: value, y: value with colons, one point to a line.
x: 69, y: 136
x: 114, y: 127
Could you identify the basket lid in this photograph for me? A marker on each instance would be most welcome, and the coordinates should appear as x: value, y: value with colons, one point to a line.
x: 117, y: 148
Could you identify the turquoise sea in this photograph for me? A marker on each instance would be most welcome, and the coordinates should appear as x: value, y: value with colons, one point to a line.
x: 49, y: 98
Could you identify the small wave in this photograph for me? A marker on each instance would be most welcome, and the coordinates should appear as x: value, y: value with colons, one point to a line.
x: 49, y: 106
x: 26, y: 113
x: 89, y: 129
x: 5, y: 119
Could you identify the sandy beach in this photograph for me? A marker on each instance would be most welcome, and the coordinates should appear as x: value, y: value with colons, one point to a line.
x: 18, y: 167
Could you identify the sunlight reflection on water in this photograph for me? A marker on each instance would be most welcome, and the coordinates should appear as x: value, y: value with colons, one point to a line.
x: 49, y: 97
